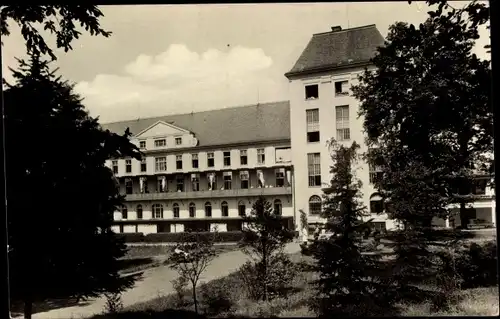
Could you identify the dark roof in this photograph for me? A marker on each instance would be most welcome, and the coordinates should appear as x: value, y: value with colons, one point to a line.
x: 253, y: 123
x: 338, y: 49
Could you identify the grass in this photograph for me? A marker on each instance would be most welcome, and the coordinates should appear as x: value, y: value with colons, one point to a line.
x: 473, y: 302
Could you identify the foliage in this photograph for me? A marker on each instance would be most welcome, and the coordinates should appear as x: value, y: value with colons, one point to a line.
x: 69, y: 180
x: 478, y: 265
x: 280, y: 274
x: 264, y: 236
x: 58, y: 20
x: 196, y: 253
x: 303, y: 221
x: 179, y: 284
x: 114, y: 303
x: 216, y: 298
x: 348, y: 279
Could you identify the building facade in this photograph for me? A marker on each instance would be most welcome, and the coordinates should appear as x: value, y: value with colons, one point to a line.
x: 204, y: 170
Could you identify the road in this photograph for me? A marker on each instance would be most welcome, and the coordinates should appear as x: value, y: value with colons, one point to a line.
x: 155, y: 283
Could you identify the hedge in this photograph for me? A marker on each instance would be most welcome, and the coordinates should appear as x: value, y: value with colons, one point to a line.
x: 230, y: 236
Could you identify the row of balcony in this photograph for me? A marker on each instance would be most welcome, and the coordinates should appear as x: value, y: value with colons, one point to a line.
x: 217, y: 193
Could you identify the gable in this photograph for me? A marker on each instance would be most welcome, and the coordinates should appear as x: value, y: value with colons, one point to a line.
x: 161, y: 128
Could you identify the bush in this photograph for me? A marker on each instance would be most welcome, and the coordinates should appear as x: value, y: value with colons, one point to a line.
x: 179, y: 286
x: 113, y: 304
x: 232, y: 236
x: 131, y: 237
x: 281, y: 272
x: 477, y: 265
x: 216, y: 297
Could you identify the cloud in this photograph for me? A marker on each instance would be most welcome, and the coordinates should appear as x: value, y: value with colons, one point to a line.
x: 179, y: 80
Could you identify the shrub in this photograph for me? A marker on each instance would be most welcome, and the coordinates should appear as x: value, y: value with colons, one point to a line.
x: 130, y: 237
x: 216, y: 297
x: 113, y: 304
x: 281, y: 274
x: 477, y: 265
x: 232, y: 236
x: 179, y: 286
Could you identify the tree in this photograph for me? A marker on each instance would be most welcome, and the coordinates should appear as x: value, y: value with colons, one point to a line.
x: 61, y: 195
x: 428, y: 101
x: 57, y: 19
x: 191, y: 257
x: 350, y: 281
x: 264, y: 237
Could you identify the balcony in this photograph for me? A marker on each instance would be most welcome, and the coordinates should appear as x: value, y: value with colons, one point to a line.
x: 271, y: 191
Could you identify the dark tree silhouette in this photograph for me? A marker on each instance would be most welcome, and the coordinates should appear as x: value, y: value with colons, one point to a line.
x: 58, y: 20
x: 351, y: 281
x: 61, y: 195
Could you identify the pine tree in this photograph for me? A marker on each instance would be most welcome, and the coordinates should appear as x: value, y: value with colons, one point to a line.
x: 61, y: 194
x: 351, y: 282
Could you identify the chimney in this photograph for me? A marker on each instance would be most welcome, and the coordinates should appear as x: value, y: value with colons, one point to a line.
x: 336, y: 28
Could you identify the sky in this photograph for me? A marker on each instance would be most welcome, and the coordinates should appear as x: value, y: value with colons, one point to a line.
x: 168, y: 59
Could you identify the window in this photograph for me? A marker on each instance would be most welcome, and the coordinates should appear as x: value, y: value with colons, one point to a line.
x: 243, y: 157
x: 195, y: 182
x: 161, y: 164
x: 128, y: 166
x: 224, y: 209
x: 124, y: 212
x: 175, y: 209
x: 194, y: 160
x: 227, y: 158
x: 208, y: 209
x: 314, y: 169
x: 244, y: 177
x: 178, y: 161
x: 228, y: 176
x: 261, y: 156
x: 277, y: 207
x: 143, y: 165
x: 341, y: 88
x: 128, y: 186
x: 312, y: 92
x: 161, y: 143
x: 114, y: 164
x: 312, y: 122
x: 210, y: 159
x: 342, y: 121
x: 283, y: 155
x: 375, y: 173
x: 161, y: 184
x: 157, y: 211
x: 178, y: 141
x: 139, y: 211
x: 376, y: 204
x: 192, y: 210
x: 315, y: 205
x: 280, y: 177
x: 180, y: 183
x: 142, y: 144
x: 241, y: 208
x: 211, y: 181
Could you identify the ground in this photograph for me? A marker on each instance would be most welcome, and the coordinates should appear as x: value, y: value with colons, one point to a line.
x: 155, y: 283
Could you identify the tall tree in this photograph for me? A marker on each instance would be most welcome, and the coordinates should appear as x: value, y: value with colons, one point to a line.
x: 264, y: 238
x: 350, y: 281
x: 61, y: 195
x: 428, y: 101
x: 58, y: 20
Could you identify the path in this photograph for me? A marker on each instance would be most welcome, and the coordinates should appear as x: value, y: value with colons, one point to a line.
x: 155, y: 283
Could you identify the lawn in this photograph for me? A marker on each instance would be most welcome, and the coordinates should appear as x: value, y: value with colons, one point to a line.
x: 478, y: 301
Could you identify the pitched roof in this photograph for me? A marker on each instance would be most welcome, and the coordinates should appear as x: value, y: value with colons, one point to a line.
x: 253, y: 123
x: 338, y: 48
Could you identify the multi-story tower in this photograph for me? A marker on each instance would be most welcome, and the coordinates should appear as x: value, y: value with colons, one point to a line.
x: 321, y: 108
x: 204, y: 170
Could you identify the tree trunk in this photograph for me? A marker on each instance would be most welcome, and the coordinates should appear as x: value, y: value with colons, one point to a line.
x: 28, y: 308
x: 194, y: 299
x: 464, y: 215
x: 264, y: 266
